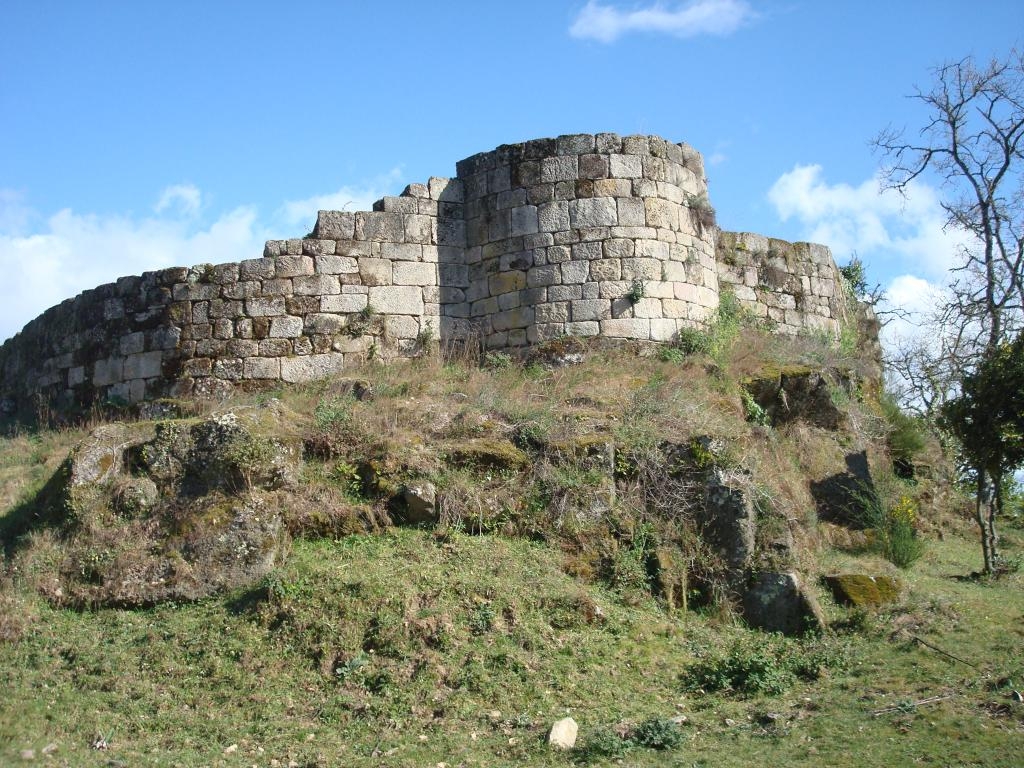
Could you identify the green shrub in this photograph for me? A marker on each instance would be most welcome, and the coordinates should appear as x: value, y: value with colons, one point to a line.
x: 693, y: 341
x: 760, y: 664
x: 657, y: 733
x: 906, y: 438
x: 604, y: 743
x: 346, y: 476
x: 251, y: 457
x: 901, y: 544
x: 498, y: 361
x: 333, y: 411
x: 730, y: 318
x: 629, y: 565
x: 895, y: 528
x: 481, y: 620
x: 854, y: 278
x: 753, y: 411
x: 672, y: 354
x: 744, y: 669
x: 636, y: 291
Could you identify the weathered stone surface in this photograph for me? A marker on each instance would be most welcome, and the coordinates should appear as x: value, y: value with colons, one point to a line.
x: 261, y: 368
x: 100, y: 456
x: 189, y: 519
x: 729, y: 518
x: 397, y: 300
x: 292, y: 266
x: 862, y: 590
x: 779, y: 602
x: 420, y: 503
x: 143, y: 365
x: 380, y: 227
x: 336, y: 265
x: 265, y: 307
x: 311, y: 367
x: 287, y: 327
x: 335, y: 225
x: 593, y: 212
x: 803, y: 395
x: 524, y: 220
x: 344, y: 303
x: 414, y: 273
x: 375, y: 271
x: 559, y: 168
x: 563, y: 734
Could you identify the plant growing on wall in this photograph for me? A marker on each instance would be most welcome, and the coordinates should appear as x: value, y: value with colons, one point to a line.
x: 636, y: 291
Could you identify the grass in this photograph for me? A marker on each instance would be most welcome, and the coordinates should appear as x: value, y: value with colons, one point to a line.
x: 379, y: 645
x: 463, y: 649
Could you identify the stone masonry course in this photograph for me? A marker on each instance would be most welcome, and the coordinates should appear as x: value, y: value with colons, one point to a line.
x: 584, y: 235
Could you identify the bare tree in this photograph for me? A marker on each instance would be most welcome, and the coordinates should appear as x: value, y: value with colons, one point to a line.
x: 923, y: 370
x: 973, y: 141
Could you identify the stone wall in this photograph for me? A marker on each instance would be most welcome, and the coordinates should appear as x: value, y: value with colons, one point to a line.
x: 587, y: 235
x: 796, y: 286
x: 582, y: 234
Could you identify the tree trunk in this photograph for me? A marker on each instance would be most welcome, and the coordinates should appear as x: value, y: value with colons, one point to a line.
x: 983, y: 514
x: 995, y: 509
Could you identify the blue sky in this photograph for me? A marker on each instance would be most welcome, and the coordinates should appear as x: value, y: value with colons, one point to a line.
x: 138, y: 135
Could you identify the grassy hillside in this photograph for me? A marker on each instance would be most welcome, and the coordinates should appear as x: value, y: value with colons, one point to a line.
x: 407, y: 649
x: 534, y: 588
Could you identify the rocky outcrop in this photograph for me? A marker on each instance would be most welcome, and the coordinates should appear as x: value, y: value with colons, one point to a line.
x: 177, y: 510
x: 780, y: 602
x: 800, y: 395
x: 729, y: 520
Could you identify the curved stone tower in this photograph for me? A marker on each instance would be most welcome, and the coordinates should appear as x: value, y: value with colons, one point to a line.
x: 583, y: 235
x: 587, y: 235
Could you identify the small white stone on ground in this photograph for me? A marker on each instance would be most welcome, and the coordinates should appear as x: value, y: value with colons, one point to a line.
x: 563, y: 734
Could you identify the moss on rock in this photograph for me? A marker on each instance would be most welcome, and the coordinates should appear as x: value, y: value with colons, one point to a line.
x: 487, y: 454
x: 863, y: 591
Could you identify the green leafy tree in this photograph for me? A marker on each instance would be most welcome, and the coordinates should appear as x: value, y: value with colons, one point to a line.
x: 987, y: 418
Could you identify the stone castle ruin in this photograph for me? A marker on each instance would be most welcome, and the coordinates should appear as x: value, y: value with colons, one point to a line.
x: 585, y: 235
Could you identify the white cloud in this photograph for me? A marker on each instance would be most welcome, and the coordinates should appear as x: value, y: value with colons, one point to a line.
x: 46, y: 259
x: 15, y: 216
x: 893, y: 233
x: 302, y: 213
x: 916, y: 299
x: 71, y: 252
x: 606, y: 23
x: 902, y: 240
x: 184, y: 197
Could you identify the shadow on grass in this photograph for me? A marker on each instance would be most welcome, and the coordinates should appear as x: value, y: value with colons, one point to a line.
x: 44, y: 509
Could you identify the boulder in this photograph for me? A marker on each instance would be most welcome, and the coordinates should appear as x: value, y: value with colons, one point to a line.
x: 487, y: 454
x: 861, y: 590
x: 134, y: 497
x: 563, y: 734
x: 728, y: 521
x: 799, y: 394
x: 558, y: 353
x: 779, y: 602
x: 101, y: 455
x: 420, y: 502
